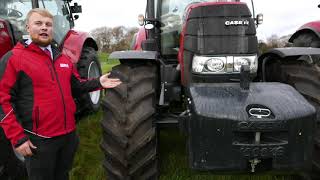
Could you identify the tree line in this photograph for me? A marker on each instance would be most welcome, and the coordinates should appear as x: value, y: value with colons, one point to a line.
x: 111, y: 39
x: 273, y: 41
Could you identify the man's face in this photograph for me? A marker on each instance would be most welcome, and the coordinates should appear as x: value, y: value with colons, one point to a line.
x: 40, y: 29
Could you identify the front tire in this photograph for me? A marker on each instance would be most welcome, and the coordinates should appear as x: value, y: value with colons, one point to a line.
x: 129, y: 136
x: 89, y: 67
x: 310, y: 75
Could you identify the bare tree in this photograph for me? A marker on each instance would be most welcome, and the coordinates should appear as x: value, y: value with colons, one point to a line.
x: 113, y: 39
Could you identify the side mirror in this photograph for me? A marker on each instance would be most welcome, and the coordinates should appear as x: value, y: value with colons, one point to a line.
x: 259, y: 19
x: 141, y: 20
x: 319, y: 6
x: 76, y: 8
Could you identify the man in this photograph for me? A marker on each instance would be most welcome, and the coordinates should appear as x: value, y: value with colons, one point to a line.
x: 36, y: 104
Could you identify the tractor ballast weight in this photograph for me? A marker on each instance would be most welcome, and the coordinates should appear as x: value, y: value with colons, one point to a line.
x: 234, y: 129
x: 207, y: 62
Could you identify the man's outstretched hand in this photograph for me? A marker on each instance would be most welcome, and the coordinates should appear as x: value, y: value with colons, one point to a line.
x: 107, y: 82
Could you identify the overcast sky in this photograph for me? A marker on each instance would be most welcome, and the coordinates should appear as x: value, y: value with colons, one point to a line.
x: 281, y: 17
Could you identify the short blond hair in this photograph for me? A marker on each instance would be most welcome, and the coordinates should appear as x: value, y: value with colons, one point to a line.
x: 41, y: 11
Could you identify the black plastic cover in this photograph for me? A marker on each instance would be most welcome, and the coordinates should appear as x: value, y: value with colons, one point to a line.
x: 225, y: 121
x: 207, y: 32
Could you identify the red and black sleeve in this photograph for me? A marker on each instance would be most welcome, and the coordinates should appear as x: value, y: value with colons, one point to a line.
x: 80, y: 85
x: 9, y: 69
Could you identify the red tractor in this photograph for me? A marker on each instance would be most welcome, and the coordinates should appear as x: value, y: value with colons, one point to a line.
x: 198, y: 69
x: 79, y: 46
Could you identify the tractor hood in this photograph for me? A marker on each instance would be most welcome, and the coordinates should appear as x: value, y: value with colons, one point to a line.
x: 228, y: 101
x: 216, y: 29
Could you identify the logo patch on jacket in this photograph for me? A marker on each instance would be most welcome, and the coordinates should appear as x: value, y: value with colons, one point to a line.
x: 64, y: 65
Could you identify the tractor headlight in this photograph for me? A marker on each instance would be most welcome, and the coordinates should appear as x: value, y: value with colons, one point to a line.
x: 251, y: 61
x: 215, y: 65
x: 201, y: 64
x: 222, y: 65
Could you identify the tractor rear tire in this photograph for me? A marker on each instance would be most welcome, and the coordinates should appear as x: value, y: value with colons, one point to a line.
x: 307, y: 40
x: 11, y: 168
x: 129, y: 137
x: 88, y: 67
x: 304, y: 78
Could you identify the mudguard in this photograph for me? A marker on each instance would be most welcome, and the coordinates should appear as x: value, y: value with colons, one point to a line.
x: 268, y: 127
x: 6, y: 38
x: 313, y: 27
x: 74, y: 42
x: 139, y: 37
x: 290, y: 51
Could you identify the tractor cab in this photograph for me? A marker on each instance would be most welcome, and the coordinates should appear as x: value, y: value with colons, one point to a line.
x: 14, y: 12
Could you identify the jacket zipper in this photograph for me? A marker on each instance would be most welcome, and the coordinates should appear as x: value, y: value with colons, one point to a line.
x: 37, y: 118
x: 51, y: 72
x: 62, y: 96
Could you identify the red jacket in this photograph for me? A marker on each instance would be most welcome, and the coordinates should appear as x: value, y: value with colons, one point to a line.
x: 36, y: 93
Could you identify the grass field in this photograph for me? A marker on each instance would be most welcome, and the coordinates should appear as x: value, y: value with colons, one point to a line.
x: 173, y: 161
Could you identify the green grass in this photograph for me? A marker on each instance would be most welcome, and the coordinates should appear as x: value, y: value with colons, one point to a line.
x: 173, y: 156
x: 87, y: 163
x: 106, y: 64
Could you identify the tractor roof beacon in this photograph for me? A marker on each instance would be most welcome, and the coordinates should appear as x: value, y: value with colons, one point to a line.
x: 195, y: 66
x: 79, y: 46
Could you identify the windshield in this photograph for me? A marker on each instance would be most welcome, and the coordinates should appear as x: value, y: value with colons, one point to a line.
x: 178, y: 7
x: 172, y: 14
x: 15, y: 11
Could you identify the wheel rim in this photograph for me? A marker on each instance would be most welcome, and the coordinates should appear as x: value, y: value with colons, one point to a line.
x: 94, y: 72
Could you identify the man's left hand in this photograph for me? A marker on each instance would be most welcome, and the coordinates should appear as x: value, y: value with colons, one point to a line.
x: 107, y: 82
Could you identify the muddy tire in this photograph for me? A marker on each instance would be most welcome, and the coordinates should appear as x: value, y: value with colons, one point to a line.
x: 304, y: 77
x: 11, y: 168
x: 129, y: 138
x: 307, y: 40
x: 89, y: 67
x: 311, y: 91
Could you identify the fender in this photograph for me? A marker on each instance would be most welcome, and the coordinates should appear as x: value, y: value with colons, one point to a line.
x: 6, y: 40
x: 134, y: 55
x: 74, y: 42
x: 138, y: 38
x: 313, y: 27
x: 291, y: 51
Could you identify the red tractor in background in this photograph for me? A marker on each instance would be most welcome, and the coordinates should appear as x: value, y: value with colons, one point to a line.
x: 308, y: 35
x: 198, y: 69
x: 79, y: 46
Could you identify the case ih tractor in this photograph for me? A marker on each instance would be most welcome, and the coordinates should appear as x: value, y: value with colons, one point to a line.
x: 199, y: 70
x: 79, y: 46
